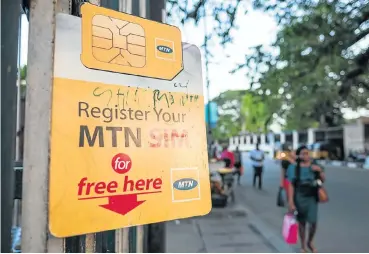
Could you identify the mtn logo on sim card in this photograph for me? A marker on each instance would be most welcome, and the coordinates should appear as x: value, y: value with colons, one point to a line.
x: 164, y: 49
x: 185, y: 184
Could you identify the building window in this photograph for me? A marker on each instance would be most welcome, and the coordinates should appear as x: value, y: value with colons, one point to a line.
x: 289, y: 138
x: 277, y: 138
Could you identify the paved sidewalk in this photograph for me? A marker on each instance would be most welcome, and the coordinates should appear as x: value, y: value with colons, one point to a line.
x: 231, y: 229
x: 223, y: 230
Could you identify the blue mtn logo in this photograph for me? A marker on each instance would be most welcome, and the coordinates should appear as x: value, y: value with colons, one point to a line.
x: 185, y: 184
x: 164, y: 49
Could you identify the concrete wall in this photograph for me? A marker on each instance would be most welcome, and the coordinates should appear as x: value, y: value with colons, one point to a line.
x: 353, y: 137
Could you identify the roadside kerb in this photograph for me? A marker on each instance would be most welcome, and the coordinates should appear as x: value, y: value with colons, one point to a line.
x: 348, y: 164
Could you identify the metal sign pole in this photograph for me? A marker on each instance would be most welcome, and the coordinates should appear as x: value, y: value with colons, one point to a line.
x: 35, y: 234
x: 9, y: 19
x: 37, y: 122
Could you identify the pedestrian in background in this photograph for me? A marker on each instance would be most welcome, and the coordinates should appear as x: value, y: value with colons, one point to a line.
x: 238, y: 165
x: 217, y: 150
x: 228, y: 157
x: 303, y: 195
x: 257, y: 159
x: 285, y: 163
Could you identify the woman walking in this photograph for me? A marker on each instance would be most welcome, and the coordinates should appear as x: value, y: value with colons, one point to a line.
x: 303, y: 195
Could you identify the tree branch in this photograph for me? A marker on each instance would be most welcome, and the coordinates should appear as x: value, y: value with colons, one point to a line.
x: 362, y: 61
x: 195, y: 13
x: 361, y: 36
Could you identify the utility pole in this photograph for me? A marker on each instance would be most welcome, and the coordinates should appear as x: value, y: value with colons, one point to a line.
x: 35, y: 233
x: 9, y: 36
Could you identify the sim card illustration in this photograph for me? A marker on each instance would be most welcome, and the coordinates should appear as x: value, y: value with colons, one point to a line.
x: 117, y: 41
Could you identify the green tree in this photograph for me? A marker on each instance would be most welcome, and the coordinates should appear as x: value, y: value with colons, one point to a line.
x: 225, y: 128
x: 255, y: 113
x: 315, y: 67
x: 240, y: 110
x: 230, y: 120
x: 23, y: 72
x: 23, y: 77
x: 316, y: 70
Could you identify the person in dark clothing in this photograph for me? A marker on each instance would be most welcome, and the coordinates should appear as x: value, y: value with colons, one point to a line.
x: 257, y: 159
x: 238, y: 165
x: 285, y: 163
x: 227, y: 163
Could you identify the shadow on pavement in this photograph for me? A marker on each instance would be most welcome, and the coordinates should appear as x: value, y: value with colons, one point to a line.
x: 231, y: 229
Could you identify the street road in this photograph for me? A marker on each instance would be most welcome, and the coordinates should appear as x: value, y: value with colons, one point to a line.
x: 343, y: 221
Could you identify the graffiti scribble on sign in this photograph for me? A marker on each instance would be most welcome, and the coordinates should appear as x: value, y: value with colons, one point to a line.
x: 96, y: 93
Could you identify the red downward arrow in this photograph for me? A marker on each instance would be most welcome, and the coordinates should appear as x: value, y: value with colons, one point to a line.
x: 122, y: 204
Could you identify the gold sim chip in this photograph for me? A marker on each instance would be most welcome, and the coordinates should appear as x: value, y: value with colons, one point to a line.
x: 118, y: 42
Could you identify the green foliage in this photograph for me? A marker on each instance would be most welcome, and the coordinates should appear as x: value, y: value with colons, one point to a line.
x: 23, y: 72
x: 226, y: 128
x: 255, y: 113
x: 312, y: 70
x: 240, y: 110
x: 23, y: 76
x: 229, y: 109
x: 316, y: 72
